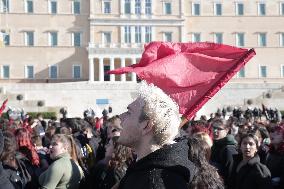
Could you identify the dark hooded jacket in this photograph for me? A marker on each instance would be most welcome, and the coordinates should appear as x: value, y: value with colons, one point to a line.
x: 167, y: 167
x: 222, y: 153
x: 274, y: 160
x: 251, y: 175
x: 5, y: 183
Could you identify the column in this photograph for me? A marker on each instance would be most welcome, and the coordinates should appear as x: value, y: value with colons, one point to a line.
x: 122, y: 35
x: 133, y: 75
x: 92, y: 7
x: 121, y: 8
x: 91, y: 70
x: 142, y: 7
x: 112, y: 76
x: 123, y: 77
x: 132, y: 30
x: 132, y: 7
x: 92, y: 34
x: 181, y: 5
x: 182, y: 34
x: 101, y: 69
x: 143, y: 34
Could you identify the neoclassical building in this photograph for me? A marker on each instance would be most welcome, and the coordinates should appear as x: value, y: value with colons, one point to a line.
x: 60, y: 41
x: 76, y: 40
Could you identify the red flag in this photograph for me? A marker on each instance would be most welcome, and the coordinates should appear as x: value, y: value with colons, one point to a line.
x: 190, y: 73
x: 2, y: 108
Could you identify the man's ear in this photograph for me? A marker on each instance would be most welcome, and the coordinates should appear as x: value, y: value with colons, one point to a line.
x: 147, y: 128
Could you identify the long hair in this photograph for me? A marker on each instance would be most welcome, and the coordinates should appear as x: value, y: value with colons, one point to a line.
x: 121, y: 157
x: 280, y: 149
x: 10, y: 148
x: 26, y: 146
x: 69, y: 143
x: 207, y: 176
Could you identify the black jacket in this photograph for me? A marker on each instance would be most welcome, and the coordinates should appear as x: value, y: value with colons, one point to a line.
x: 251, y: 175
x: 5, y: 183
x: 274, y: 161
x: 167, y: 167
x: 222, y: 153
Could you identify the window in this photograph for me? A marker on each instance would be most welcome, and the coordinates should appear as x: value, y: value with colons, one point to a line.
x: 218, y: 9
x: 76, y: 7
x: 106, y: 76
x: 241, y: 73
x: 107, y: 7
x: 5, y: 37
x: 5, y: 72
x: 262, y: 39
x: 148, y: 7
x: 53, y: 39
x: 76, y: 71
x: 106, y: 38
x: 281, y: 39
x: 218, y: 38
x: 261, y: 9
x: 282, y: 70
x: 127, y: 7
x: 53, y: 6
x: 137, y: 34
x: 29, y: 38
x: 127, y: 34
x: 282, y: 9
x: 4, y: 5
x: 29, y: 72
x: 263, y: 71
x: 240, y: 39
x: 196, y: 37
x: 77, y: 39
x: 168, y: 36
x: 138, y: 7
x: 168, y: 8
x: 29, y: 6
x: 196, y: 9
x: 239, y: 9
x: 148, y: 34
x: 53, y: 72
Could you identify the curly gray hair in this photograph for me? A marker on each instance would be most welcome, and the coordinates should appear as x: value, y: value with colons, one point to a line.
x: 161, y: 111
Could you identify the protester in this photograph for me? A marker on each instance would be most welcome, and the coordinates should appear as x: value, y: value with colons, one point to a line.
x: 112, y: 168
x: 5, y: 183
x: 223, y: 149
x: 18, y: 168
x: 248, y: 172
x: 63, y: 172
x: 149, y: 128
x: 274, y: 157
x: 207, y: 176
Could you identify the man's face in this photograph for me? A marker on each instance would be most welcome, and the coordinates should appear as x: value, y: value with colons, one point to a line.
x: 219, y: 132
x: 131, y: 126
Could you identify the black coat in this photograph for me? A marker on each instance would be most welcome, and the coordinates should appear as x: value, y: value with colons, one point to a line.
x: 222, y: 153
x: 274, y: 161
x: 5, y: 183
x: 251, y: 175
x: 167, y: 167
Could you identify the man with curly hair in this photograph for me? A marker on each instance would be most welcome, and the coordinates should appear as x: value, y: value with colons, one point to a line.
x: 149, y: 128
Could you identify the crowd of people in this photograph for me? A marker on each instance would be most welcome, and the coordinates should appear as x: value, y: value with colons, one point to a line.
x: 144, y: 148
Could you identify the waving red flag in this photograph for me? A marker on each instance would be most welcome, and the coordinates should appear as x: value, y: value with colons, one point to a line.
x: 190, y: 73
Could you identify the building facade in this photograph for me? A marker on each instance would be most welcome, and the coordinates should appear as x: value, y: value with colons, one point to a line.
x: 80, y: 40
x: 58, y: 41
x: 44, y: 41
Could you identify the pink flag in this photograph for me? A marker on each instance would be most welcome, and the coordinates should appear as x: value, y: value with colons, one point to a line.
x: 190, y: 73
